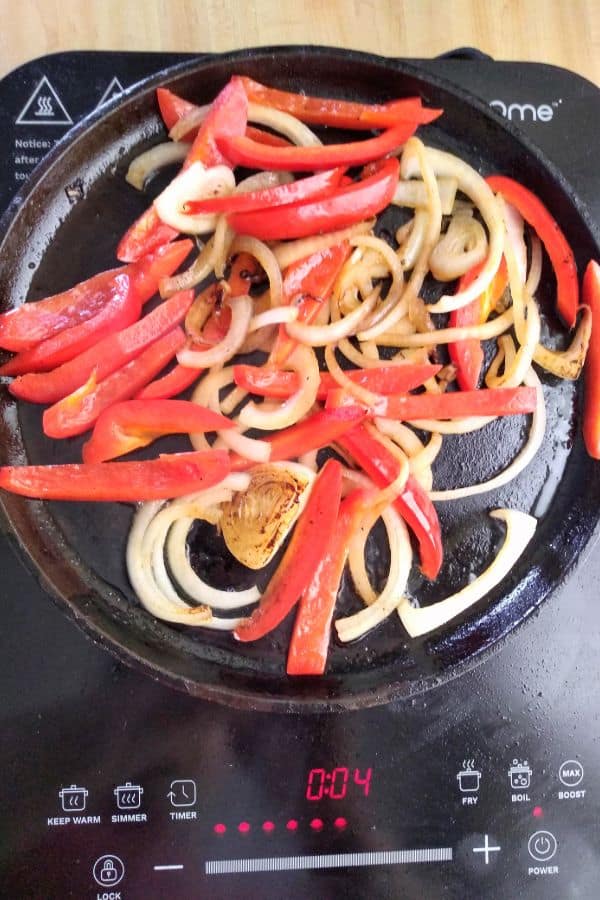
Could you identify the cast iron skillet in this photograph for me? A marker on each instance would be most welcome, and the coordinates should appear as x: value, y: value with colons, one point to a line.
x: 77, y: 550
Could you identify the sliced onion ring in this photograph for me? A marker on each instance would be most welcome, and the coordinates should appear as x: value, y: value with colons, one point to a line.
x: 473, y: 185
x: 521, y: 460
x: 520, y: 528
x: 194, y: 183
x: 241, y: 314
x: 351, y: 627
x: 144, y: 166
x: 271, y: 417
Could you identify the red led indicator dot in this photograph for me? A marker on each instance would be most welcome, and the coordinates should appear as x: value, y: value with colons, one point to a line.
x: 292, y: 825
x: 340, y: 822
x: 220, y: 828
x: 538, y: 812
x: 316, y: 824
x: 244, y: 827
x: 268, y: 827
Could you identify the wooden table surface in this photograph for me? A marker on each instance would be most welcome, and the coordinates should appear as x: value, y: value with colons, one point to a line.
x: 563, y: 32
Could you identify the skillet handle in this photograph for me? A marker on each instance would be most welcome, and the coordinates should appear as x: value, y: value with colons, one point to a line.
x: 466, y: 53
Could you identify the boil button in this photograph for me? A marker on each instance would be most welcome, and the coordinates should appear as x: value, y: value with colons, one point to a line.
x: 542, y: 846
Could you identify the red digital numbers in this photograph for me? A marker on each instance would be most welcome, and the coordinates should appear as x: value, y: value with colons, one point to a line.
x: 334, y: 784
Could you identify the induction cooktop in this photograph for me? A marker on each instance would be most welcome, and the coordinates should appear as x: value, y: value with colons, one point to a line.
x: 115, y: 786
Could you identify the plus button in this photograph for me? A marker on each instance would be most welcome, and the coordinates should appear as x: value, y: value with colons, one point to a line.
x: 486, y: 849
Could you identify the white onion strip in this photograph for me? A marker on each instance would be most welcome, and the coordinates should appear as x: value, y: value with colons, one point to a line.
x: 265, y: 257
x: 207, y: 394
x: 276, y: 316
x: 520, y: 528
x: 143, y: 552
x: 324, y: 335
x: 271, y: 417
x: 389, y: 313
x: 190, y: 581
x: 413, y: 193
x: 291, y: 251
x: 151, y: 161
x: 241, y: 314
x: 351, y: 627
x: 289, y: 126
x: 194, y: 183
x: 521, y: 460
x: 483, y: 332
x: 473, y: 185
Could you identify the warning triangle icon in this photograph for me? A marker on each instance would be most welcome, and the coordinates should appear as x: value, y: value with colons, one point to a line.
x: 115, y: 89
x: 44, y: 107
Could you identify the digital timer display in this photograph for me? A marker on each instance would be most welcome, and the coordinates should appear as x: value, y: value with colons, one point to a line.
x: 334, y: 784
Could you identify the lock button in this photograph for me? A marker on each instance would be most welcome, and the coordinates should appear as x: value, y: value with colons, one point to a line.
x: 108, y: 870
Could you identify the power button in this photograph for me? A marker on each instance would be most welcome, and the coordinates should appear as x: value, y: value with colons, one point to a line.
x: 542, y: 846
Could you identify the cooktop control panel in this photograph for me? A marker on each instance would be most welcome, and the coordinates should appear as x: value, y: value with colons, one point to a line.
x: 117, y: 788
x: 223, y: 816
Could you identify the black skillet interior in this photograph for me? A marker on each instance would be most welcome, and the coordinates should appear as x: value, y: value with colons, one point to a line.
x: 78, y: 549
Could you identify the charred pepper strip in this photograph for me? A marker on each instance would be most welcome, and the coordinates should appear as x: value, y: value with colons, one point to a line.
x: 413, y: 504
x: 311, y: 636
x: 302, y: 556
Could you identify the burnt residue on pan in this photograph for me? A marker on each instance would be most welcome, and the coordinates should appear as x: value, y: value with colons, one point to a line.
x: 78, y: 549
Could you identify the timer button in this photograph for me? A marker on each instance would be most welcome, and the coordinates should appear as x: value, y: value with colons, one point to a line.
x: 542, y: 846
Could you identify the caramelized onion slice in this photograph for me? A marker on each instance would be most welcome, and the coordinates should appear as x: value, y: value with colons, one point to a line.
x: 256, y: 521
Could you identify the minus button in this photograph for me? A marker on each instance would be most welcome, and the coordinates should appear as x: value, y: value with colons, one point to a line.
x: 171, y: 868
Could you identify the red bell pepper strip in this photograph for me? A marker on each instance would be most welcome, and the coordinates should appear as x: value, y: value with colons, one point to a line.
x: 323, y: 184
x: 266, y: 137
x: 226, y: 118
x: 172, y: 475
x: 26, y: 326
x: 76, y: 413
x: 122, y: 308
x: 302, y: 556
x: 131, y: 424
x: 244, y: 269
x: 412, y: 504
x: 347, y: 205
x: 308, y: 283
x: 314, y: 276
x: 547, y: 229
x: 591, y: 408
x: 105, y: 357
x: 467, y: 355
x: 307, y: 654
x: 340, y: 113
x: 450, y: 405
x: 147, y: 233
x: 243, y: 151
x: 179, y: 379
x: 173, y: 108
x: 314, y: 432
x: 269, y: 382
